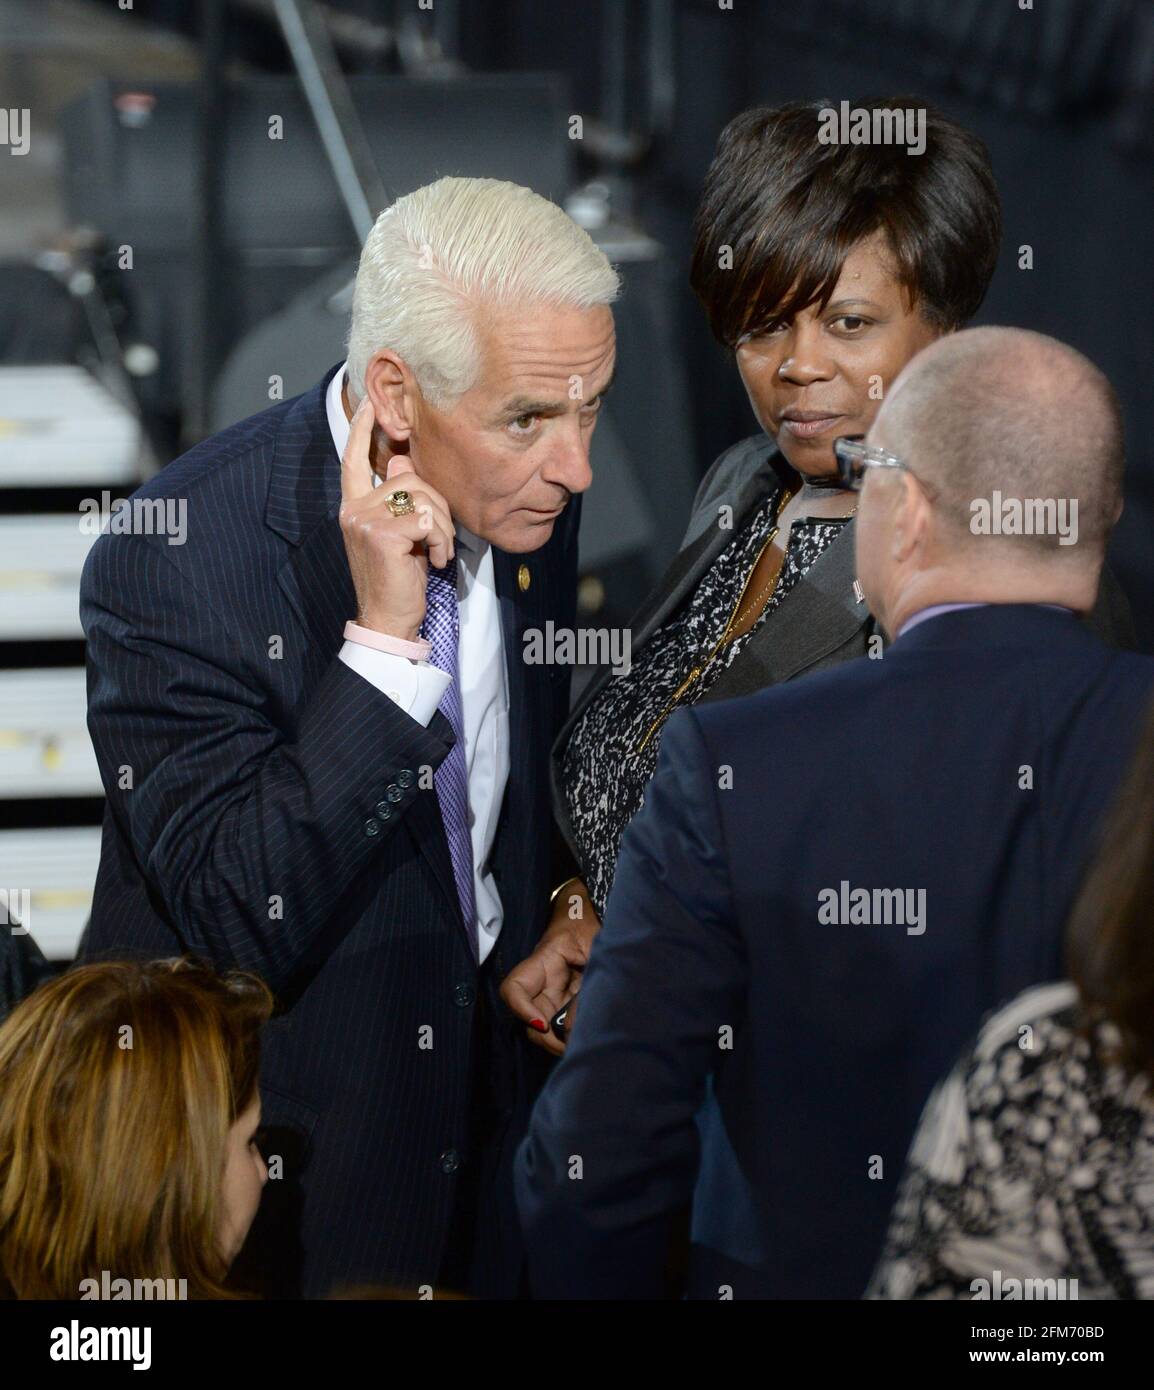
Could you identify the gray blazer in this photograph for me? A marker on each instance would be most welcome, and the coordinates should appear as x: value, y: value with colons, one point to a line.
x: 822, y: 624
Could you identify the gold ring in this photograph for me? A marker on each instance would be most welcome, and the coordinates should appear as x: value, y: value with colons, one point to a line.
x: 400, y: 503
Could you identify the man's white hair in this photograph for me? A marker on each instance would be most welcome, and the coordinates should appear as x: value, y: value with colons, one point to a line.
x: 442, y: 252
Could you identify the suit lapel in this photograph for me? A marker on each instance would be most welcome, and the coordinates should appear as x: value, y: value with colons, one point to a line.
x: 820, y: 615
x: 678, y: 583
x: 316, y: 581
x: 304, y: 497
x: 517, y: 610
x: 688, y: 565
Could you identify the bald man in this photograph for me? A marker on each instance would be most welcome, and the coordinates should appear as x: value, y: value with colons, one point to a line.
x: 1018, y: 441
x: 833, y: 880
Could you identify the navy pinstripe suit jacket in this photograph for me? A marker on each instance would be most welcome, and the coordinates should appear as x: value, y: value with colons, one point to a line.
x: 244, y: 765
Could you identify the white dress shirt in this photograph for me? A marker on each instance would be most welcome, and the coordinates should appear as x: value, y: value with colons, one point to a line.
x: 418, y: 687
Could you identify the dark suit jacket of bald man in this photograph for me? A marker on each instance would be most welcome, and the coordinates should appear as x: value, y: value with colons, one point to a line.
x: 738, y: 1055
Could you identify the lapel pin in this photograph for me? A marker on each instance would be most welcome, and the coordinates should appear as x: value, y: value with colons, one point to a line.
x: 523, y: 578
x: 858, y: 592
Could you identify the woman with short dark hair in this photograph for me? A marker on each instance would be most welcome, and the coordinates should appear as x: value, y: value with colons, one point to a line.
x: 825, y: 268
x: 781, y: 211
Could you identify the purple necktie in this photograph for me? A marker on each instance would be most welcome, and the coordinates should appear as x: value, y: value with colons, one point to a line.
x: 442, y: 628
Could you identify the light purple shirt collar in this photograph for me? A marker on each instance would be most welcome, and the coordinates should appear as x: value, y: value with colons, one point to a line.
x: 932, y: 612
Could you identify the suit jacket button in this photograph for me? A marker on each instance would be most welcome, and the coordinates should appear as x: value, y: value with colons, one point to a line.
x: 372, y: 827
x: 406, y: 777
x: 394, y: 793
x: 450, y: 1161
x: 463, y: 995
x: 382, y: 810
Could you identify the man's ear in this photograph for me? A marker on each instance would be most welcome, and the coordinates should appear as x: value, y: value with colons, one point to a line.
x: 908, y: 517
x: 393, y: 390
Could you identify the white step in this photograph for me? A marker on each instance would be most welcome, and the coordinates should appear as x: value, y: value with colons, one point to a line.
x: 54, y: 871
x: 40, y: 562
x: 59, y: 427
x: 44, y: 745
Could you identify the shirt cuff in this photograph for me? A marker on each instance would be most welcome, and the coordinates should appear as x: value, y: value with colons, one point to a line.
x: 415, y: 686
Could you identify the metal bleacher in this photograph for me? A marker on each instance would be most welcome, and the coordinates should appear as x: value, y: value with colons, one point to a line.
x: 68, y: 450
x: 62, y: 428
x: 59, y: 869
x: 40, y: 562
x: 44, y: 746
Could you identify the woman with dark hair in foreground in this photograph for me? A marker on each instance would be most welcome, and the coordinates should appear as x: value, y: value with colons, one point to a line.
x: 1034, y: 1161
x: 128, y: 1115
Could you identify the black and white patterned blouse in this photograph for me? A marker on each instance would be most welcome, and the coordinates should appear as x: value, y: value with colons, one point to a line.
x: 1034, y: 1160
x: 603, y: 775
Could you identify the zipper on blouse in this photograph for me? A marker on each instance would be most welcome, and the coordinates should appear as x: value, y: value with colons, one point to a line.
x: 697, y: 670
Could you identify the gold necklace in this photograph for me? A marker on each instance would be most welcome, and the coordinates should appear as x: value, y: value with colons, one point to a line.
x: 762, y: 597
x: 759, y: 599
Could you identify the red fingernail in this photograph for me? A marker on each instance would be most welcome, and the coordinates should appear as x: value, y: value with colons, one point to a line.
x: 539, y: 1024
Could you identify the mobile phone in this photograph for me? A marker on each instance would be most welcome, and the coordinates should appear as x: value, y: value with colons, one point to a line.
x: 560, y: 1020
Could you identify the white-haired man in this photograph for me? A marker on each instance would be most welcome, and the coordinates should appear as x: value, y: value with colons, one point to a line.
x: 325, y: 759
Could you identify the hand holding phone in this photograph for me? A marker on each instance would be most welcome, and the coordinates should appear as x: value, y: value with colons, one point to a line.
x: 562, y: 1020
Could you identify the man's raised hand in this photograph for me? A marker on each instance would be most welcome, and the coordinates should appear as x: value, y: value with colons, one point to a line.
x: 386, y: 553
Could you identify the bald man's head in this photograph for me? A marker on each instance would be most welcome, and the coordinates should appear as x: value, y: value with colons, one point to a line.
x: 995, y: 415
x: 1013, y: 450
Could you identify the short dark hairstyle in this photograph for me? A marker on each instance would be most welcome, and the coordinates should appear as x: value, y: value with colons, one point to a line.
x: 791, y: 208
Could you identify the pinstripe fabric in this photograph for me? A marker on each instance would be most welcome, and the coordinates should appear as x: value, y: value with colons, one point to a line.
x: 249, y: 819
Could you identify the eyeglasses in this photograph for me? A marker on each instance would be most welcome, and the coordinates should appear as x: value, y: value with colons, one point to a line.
x: 854, y: 456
